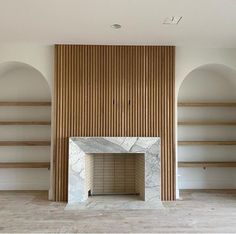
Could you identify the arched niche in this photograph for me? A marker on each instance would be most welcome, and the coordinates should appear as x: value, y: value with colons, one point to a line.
x: 20, y: 82
x: 210, y: 83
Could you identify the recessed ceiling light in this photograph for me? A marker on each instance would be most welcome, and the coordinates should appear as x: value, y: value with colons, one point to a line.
x: 173, y: 20
x: 116, y: 26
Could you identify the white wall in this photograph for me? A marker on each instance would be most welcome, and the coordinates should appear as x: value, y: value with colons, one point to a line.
x: 17, y: 83
x: 38, y: 56
x: 213, y: 83
x: 188, y: 59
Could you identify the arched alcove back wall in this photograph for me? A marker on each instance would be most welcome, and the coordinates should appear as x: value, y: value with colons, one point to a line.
x: 20, y: 124
x: 211, y: 83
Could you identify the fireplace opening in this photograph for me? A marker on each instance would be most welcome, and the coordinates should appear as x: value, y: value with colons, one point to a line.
x: 115, y: 174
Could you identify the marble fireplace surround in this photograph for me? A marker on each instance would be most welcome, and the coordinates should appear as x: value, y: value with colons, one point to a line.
x: 80, y: 146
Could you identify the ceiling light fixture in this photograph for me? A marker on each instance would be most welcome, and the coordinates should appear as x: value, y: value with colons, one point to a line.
x: 116, y: 26
x: 173, y: 20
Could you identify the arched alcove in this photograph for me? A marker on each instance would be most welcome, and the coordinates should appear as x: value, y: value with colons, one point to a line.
x: 25, y: 134
x: 218, y: 79
x: 22, y: 81
x: 206, y: 128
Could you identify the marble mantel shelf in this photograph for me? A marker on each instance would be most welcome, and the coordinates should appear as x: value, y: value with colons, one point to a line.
x: 80, y: 146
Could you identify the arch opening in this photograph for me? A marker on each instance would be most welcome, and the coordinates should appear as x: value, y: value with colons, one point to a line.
x: 25, y: 133
x: 205, y: 161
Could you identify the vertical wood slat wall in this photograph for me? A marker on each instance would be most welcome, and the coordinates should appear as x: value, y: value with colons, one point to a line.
x: 114, y: 91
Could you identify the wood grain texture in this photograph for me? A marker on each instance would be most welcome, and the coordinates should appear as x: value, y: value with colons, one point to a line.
x: 206, y: 164
x: 199, y: 211
x: 25, y: 143
x: 114, y: 91
x: 207, y: 104
x: 25, y: 103
x: 207, y: 123
x: 25, y: 165
x: 32, y: 122
x: 206, y: 142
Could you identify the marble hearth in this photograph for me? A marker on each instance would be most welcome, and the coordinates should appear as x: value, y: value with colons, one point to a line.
x: 136, y: 157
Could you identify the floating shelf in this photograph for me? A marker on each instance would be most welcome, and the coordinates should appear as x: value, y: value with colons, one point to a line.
x: 25, y: 123
x: 25, y: 165
x: 206, y: 142
x: 25, y: 103
x: 25, y: 143
x: 207, y: 104
x: 206, y: 164
x: 230, y: 123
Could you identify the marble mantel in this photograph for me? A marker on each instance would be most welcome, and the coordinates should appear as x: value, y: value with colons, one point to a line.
x: 80, y: 146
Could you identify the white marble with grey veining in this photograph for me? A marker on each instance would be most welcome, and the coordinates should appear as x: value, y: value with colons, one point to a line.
x: 80, y: 146
x: 117, y: 202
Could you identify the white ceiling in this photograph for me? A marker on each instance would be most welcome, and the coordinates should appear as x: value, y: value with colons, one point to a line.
x: 205, y: 23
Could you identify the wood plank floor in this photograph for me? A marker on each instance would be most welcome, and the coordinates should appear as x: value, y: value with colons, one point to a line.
x: 199, y: 211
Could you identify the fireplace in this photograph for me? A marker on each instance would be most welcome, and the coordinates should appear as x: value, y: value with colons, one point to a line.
x: 115, y: 174
x: 114, y: 166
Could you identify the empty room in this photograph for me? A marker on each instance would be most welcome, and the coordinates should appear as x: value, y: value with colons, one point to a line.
x: 117, y: 116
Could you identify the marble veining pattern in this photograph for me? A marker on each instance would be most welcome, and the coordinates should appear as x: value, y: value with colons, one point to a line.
x: 80, y: 146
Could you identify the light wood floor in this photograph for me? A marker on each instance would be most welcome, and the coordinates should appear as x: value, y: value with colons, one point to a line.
x: 208, y: 211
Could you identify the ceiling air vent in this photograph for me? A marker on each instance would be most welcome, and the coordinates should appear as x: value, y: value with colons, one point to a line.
x: 173, y: 20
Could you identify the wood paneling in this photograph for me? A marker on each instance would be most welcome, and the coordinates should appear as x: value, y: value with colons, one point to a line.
x: 114, y: 91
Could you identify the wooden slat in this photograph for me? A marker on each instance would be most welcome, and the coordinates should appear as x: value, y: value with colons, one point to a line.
x: 207, y: 104
x: 25, y: 122
x: 206, y: 164
x: 114, y: 91
x: 25, y: 103
x: 206, y: 142
x: 25, y: 165
x: 25, y: 143
x: 203, y: 123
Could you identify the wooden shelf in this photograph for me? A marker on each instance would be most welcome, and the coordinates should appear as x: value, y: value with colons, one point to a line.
x: 206, y: 164
x: 206, y: 142
x: 207, y: 104
x: 25, y: 143
x: 25, y: 123
x: 25, y: 165
x: 229, y: 123
x: 25, y: 103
